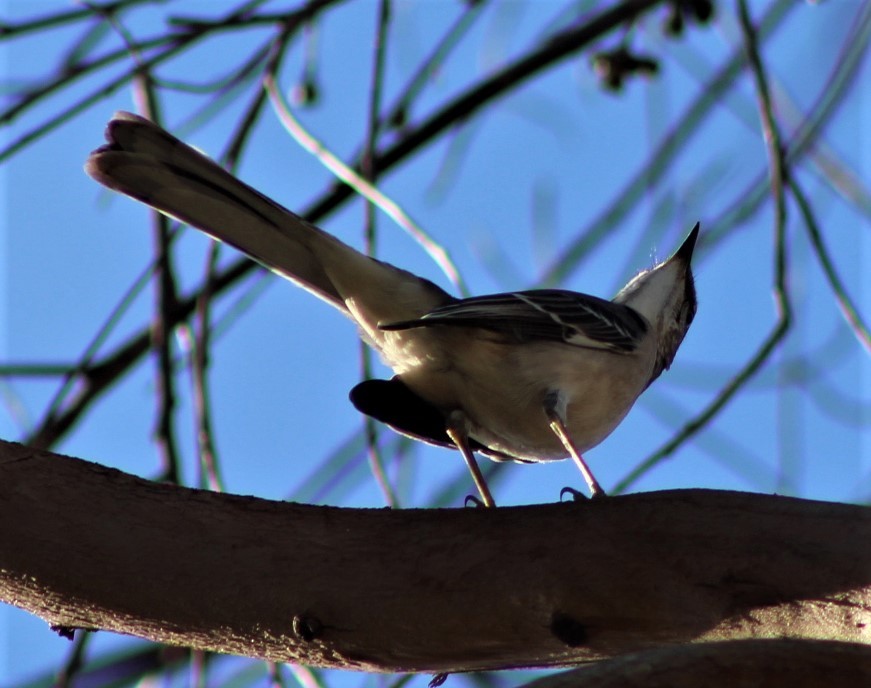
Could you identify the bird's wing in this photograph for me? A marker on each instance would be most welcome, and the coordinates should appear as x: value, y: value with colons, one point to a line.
x: 395, y: 405
x: 543, y: 314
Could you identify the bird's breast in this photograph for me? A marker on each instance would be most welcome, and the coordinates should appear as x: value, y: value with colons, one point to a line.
x: 501, y: 386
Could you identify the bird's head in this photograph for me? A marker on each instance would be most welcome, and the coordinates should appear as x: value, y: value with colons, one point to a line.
x: 666, y: 296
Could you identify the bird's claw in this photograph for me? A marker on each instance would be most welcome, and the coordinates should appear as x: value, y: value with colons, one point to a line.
x: 474, y: 501
x: 577, y: 495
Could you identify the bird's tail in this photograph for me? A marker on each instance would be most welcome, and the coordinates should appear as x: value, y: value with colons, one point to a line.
x: 145, y: 162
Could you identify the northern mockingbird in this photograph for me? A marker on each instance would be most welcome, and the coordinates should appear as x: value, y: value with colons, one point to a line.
x: 526, y: 376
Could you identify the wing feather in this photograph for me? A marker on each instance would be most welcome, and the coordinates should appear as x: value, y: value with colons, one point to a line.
x: 542, y: 314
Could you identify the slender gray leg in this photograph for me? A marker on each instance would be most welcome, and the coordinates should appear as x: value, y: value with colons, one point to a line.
x: 552, y: 407
x: 456, y: 429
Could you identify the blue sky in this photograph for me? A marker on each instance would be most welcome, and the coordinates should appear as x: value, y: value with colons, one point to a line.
x: 506, y: 195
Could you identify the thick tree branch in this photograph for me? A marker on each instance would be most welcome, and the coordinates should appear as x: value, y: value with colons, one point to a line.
x: 735, y: 663
x: 82, y: 545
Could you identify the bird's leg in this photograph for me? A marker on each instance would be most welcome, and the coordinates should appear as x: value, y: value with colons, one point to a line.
x: 554, y: 409
x: 457, y: 431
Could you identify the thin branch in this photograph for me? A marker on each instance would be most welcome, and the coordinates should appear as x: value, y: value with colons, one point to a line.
x: 398, y: 114
x: 177, y: 43
x: 165, y: 303
x: 360, y: 185
x: 36, y: 369
x: 37, y: 95
x: 848, y: 307
x: 832, y: 94
x: 370, y: 173
x: 50, y: 21
x: 201, y: 348
x: 71, y: 669
x: 81, y: 372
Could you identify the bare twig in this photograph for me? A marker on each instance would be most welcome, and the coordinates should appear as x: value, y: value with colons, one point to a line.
x: 370, y: 173
x: 357, y: 182
x: 848, y: 307
x: 165, y: 303
x: 201, y: 347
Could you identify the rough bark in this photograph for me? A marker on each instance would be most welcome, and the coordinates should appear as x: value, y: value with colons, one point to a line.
x: 732, y: 664
x: 82, y: 545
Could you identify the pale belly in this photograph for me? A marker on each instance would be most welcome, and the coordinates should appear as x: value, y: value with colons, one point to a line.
x: 501, y: 388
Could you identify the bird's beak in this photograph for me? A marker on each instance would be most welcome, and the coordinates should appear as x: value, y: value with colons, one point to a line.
x: 685, y: 253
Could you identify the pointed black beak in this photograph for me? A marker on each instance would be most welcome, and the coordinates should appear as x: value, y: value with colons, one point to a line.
x: 685, y: 252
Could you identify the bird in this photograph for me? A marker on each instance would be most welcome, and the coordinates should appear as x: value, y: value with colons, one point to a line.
x: 527, y: 376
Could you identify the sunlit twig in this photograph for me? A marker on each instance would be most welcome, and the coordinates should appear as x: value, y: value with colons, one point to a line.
x: 360, y: 185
